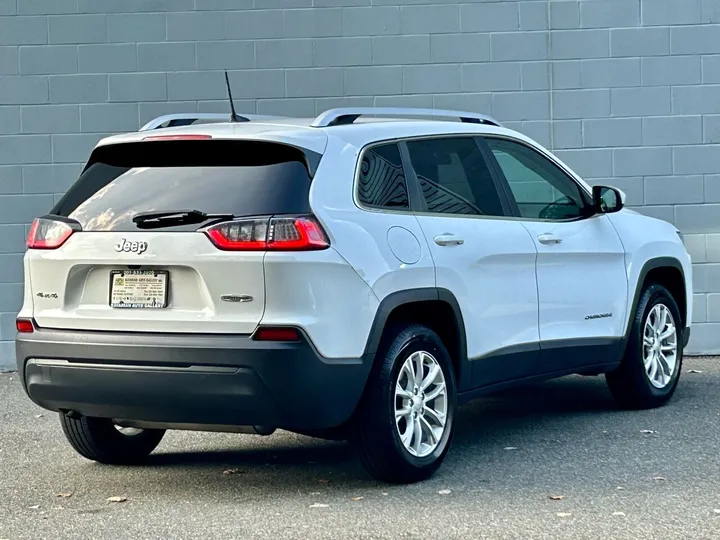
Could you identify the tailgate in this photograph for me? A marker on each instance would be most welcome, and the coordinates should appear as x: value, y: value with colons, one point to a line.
x: 97, y: 263
x: 72, y: 285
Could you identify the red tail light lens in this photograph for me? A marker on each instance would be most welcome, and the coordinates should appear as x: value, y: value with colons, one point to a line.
x: 263, y: 234
x: 24, y: 326
x: 276, y: 334
x: 48, y: 234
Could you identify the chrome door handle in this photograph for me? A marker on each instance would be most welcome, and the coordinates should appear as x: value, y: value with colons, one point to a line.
x: 549, y: 238
x: 448, y: 240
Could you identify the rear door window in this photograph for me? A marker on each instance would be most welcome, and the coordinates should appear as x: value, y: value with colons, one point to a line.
x: 454, y: 177
x: 243, y: 178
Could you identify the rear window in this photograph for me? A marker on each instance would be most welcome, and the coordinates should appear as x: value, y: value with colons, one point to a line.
x: 217, y: 177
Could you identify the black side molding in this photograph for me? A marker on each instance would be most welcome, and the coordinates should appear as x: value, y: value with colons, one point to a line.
x: 427, y: 294
x: 652, y: 264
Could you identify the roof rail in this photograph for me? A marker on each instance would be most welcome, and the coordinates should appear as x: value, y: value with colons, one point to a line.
x: 187, y: 119
x: 175, y: 120
x: 343, y: 116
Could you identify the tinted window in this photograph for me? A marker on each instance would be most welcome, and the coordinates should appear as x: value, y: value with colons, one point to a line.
x: 382, y: 182
x: 454, y: 177
x: 240, y: 178
x: 541, y: 189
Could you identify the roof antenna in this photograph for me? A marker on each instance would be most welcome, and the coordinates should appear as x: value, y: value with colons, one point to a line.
x: 233, y: 115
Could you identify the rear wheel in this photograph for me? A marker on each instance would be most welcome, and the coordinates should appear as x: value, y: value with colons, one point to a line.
x: 650, y: 369
x: 405, y: 420
x: 100, y: 439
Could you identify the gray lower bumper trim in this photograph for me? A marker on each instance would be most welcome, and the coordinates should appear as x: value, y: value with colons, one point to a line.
x: 134, y: 367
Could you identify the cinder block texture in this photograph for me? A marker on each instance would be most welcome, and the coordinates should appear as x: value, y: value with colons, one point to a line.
x: 627, y: 92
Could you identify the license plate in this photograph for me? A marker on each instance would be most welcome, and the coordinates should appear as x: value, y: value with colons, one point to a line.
x: 140, y: 289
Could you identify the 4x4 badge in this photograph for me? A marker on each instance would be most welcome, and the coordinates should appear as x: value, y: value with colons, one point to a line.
x: 131, y: 247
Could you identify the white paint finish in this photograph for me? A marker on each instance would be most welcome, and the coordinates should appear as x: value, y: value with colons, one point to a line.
x: 79, y: 273
x: 404, y: 245
x: 291, y: 131
x: 334, y: 294
x: 359, y: 235
x: 319, y: 292
x: 582, y: 275
x: 645, y: 238
x: 492, y: 275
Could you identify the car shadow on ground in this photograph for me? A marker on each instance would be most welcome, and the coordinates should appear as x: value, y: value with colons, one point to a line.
x: 479, y: 426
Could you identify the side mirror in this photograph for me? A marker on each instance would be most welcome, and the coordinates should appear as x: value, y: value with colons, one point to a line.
x: 607, y: 199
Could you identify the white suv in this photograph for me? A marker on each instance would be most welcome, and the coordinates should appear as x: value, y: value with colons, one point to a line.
x: 340, y: 277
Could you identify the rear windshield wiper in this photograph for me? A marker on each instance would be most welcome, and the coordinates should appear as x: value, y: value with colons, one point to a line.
x: 170, y: 218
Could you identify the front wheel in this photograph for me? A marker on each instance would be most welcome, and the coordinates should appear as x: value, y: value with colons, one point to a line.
x: 405, y: 420
x: 100, y: 439
x: 650, y: 369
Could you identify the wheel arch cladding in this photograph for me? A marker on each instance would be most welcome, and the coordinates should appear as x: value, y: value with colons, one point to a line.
x: 436, y: 308
x: 665, y: 271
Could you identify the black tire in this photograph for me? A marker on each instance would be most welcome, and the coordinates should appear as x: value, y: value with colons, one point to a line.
x: 375, y: 432
x: 99, y: 440
x: 630, y: 384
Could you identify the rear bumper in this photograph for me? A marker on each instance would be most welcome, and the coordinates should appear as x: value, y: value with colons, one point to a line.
x: 190, y: 379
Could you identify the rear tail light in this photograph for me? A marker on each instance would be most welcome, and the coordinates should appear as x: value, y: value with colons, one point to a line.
x: 24, y: 326
x: 263, y: 234
x: 48, y: 234
x: 276, y: 334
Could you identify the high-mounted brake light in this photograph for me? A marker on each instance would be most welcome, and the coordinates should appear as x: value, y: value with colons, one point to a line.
x: 269, y: 234
x: 177, y: 137
x: 24, y: 326
x: 48, y: 234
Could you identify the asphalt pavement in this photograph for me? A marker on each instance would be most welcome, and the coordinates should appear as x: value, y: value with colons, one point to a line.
x: 615, y: 475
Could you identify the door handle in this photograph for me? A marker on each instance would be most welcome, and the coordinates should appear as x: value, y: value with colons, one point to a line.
x: 448, y: 239
x: 549, y: 238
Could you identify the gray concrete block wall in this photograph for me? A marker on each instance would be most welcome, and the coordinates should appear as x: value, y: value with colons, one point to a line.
x: 625, y: 91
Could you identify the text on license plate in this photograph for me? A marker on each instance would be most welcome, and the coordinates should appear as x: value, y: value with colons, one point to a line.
x: 138, y: 289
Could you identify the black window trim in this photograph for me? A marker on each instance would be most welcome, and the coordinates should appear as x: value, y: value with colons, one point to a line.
x: 412, y: 179
x: 497, y: 171
x: 413, y: 202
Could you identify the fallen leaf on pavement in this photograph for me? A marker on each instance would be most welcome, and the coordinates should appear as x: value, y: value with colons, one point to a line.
x: 39, y: 415
x: 65, y: 494
x: 233, y: 471
x: 556, y: 497
x: 648, y: 431
x: 116, y: 499
x: 694, y: 371
x: 444, y: 492
x: 357, y: 498
x: 317, y: 505
x: 618, y: 513
x: 563, y: 514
